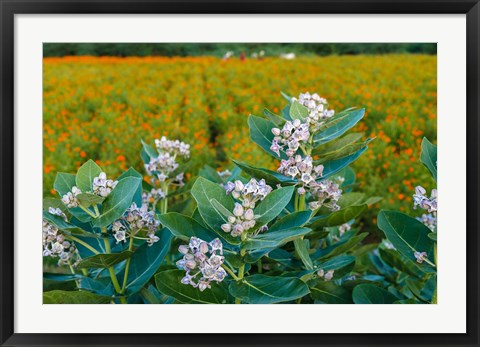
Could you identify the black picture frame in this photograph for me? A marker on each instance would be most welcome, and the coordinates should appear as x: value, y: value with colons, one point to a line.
x: 8, y: 10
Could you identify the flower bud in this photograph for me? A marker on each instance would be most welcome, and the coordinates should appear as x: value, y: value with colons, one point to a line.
x: 226, y: 227
x: 238, y: 186
x: 203, y: 248
x: 248, y: 214
x: 231, y: 219
x: 183, y: 249
x: 276, y: 131
x: 238, y: 210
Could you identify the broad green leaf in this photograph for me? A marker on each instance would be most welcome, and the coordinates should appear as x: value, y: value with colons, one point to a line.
x: 100, y: 286
x: 169, y: 283
x: 274, y: 239
x: 332, y: 167
x: 339, y: 127
x: 342, y: 265
x: 338, y: 217
x: 291, y: 220
x: 433, y: 236
x: 104, y: 260
x: 148, y: 152
x: 221, y: 209
x: 273, y: 204
x: 67, y: 227
x: 56, y: 203
x: 74, y: 297
x: 203, y: 192
x: 337, y: 144
x: 422, y: 289
x: 210, y: 174
x: 271, y: 177
x: 118, y: 201
x: 371, y: 294
x: 146, y: 260
x: 274, y: 118
x: 340, y: 247
x: 397, y: 261
x: 131, y: 172
x: 408, y: 235
x: 343, y: 152
x: 64, y: 183
x: 302, y: 251
x: 329, y: 293
x: 89, y: 199
x: 96, y: 243
x: 61, y: 277
x: 261, y: 289
x: 86, y: 174
x: 261, y: 134
x: 352, y: 198
x: 429, y: 157
x: 298, y: 111
x: 185, y: 227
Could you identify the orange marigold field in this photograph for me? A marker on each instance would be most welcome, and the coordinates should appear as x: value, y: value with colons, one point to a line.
x: 101, y: 108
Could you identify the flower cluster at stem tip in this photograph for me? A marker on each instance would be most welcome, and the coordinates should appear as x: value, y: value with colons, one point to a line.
x: 163, y: 167
x: 101, y: 186
x: 201, y: 259
x: 55, y: 245
x: 246, y: 196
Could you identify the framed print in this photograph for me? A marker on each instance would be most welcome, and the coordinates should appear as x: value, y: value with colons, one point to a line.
x: 251, y: 173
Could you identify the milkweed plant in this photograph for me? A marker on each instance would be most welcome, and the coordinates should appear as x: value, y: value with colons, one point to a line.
x: 247, y: 235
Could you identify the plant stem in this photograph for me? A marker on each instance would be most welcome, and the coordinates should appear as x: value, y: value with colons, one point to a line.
x: 127, y: 267
x: 259, y: 266
x: 83, y: 243
x: 113, y: 277
x: 230, y: 272
x: 97, y: 212
x: 87, y: 211
x: 241, y: 271
x: 73, y: 273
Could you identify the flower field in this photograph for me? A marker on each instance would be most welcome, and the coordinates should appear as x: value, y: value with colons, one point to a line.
x: 101, y: 108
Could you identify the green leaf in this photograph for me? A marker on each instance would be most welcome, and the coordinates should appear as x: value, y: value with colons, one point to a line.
x: 185, y: 227
x: 429, y: 157
x: 334, y: 166
x: 291, y: 220
x: 261, y: 289
x: 298, y: 111
x: 146, y: 260
x: 64, y: 183
x: 61, y: 277
x: 397, y: 261
x: 169, y: 283
x: 339, y: 126
x: 273, y: 204
x: 302, y: 251
x: 56, y: 203
x: 66, y: 227
x: 422, y: 289
x: 274, y: 118
x: 408, y: 235
x: 89, y: 199
x: 104, y: 260
x: 148, y: 152
x: 274, y: 239
x: 329, y: 293
x: 220, y: 209
x: 131, y: 172
x: 337, y: 144
x: 338, y: 217
x: 203, y: 192
x: 74, y: 297
x: 86, y: 174
x: 371, y: 294
x: 342, y: 265
x: 118, y: 201
x: 341, y: 247
x: 271, y: 177
x: 287, y: 97
x: 210, y: 173
x: 343, y: 152
x: 261, y: 134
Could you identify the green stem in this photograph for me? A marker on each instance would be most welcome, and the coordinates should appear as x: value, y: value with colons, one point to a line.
x: 97, y: 212
x: 259, y: 266
x: 241, y: 271
x: 83, y: 243
x: 127, y: 266
x: 72, y: 270
x: 113, y: 277
x: 231, y: 273
x: 88, y: 211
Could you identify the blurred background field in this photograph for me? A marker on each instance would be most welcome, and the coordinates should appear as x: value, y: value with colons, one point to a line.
x: 101, y: 107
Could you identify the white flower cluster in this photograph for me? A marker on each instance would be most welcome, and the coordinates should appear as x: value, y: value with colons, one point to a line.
x: 201, y: 259
x: 326, y: 193
x: 57, y: 212
x: 174, y: 147
x: 301, y: 169
x: 420, y: 199
x: 102, y: 186
x: 429, y: 220
x: 55, y: 245
x: 290, y: 137
x: 318, y: 108
x: 153, y: 196
x: 327, y: 276
x: 163, y: 166
x: 70, y: 199
x: 134, y: 220
x: 342, y: 229
x: 420, y: 256
x: 224, y: 174
x: 247, y: 195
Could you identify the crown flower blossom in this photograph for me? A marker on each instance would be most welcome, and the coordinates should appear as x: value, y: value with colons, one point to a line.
x: 420, y: 199
x: 57, y: 212
x: 70, y: 199
x: 290, y: 137
x: 202, y: 262
x: 317, y: 107
x: 56, y: 246
x: 103, y: 186
x: 246, y: 195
